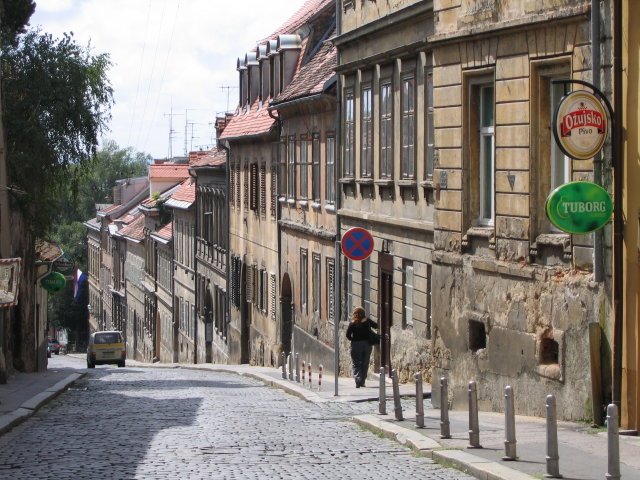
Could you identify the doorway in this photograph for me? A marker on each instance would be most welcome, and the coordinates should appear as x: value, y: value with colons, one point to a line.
x: 245, y: 318
x: 386, y: 308
x: 286, y: 314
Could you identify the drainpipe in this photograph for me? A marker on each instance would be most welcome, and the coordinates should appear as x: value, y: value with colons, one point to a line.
x: 225, y: 145
x: 598, y: 239
x: 337, y: 168
x: 618, y: 226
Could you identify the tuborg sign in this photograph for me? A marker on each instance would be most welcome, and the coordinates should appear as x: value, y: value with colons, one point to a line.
x: 53, y: 282
x: 581, y: 125
x: 579, y: 207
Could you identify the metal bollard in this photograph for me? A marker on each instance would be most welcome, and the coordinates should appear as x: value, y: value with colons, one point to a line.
x: 509, y: 425
x: 419, y: 401
x: 397, y: 406
x: 553, y: 460
x: 310, y: 381
x: 444, y: 409
x: 303, y: 371
x: 290, y: 366
x: 382, y: 394
x: 298, y: 367
x: 284, y: 368
x: 474, y: 427
x: 320, y: 368
x: 613, y: 443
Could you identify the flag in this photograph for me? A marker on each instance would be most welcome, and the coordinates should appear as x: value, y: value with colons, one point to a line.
x: 78, y: 279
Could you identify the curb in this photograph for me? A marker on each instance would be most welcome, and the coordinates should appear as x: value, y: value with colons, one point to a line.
x: 479, y: 467
x: 31, y: 406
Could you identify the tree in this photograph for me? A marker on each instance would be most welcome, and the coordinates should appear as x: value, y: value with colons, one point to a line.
x: 56, y: 99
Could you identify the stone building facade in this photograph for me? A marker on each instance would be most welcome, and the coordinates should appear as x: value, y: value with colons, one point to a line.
x: 386, y: 173
x: 512, y: 296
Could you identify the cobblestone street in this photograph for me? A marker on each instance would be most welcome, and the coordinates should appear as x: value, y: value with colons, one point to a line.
x: 168, y: 423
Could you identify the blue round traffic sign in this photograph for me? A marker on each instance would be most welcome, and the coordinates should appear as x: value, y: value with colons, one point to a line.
x: 357, y: 243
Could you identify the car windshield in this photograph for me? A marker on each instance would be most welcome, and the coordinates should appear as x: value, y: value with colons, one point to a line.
x: 110, y: 337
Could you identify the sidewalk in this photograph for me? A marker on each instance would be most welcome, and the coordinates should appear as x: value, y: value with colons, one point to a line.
x: 583, y: 451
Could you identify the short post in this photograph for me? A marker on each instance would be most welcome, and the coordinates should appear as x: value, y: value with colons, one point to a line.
x: 474, y: 426
x: 290, y: 366
x: 298, y: 367
x: 419, y: 401
x: 397, y: 406
x: 310, y: 381
x: 613, y: 443
x: 284, y: 367
x: 382, y: 394
x: 320, y: 368
x: 553, y: 460
x: 444, y: 409
x: 303, y: 372
x: 509, y: 425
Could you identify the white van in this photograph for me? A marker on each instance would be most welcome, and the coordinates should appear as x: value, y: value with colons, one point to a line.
x: 106, y: 347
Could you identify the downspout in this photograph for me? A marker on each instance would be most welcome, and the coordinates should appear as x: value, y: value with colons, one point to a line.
x: 598, y: 239
x: 195, y: 272
x: 337, y: 168
x: 618, y: 225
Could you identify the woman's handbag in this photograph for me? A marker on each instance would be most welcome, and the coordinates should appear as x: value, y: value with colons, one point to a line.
x: 374, y: 338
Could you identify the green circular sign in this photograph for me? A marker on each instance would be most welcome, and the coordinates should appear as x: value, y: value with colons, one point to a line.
x: 579, y: 207
x: 54, y: 282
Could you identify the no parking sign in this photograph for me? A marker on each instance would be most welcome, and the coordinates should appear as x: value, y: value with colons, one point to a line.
x: 357, y: 244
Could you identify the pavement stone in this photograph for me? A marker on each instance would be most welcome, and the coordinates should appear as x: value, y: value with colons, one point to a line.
x: 583, y: 453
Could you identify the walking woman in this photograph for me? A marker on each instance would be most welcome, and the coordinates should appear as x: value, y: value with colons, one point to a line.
x: 360, y: 334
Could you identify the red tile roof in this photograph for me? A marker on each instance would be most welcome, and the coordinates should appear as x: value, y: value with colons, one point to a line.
x: 186, y: 192
x: 110, y: 208
x: 166, y: 232
x: 298, y: 19
x: 312, y: 77
x: 208, y: 158
x: 47, y: 251
x: 135, y: 229
x: 168, y: 171
x: 255, y: 122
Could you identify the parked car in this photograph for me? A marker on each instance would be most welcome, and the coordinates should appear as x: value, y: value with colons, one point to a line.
x: 48, y: 350
x: 106, y: 347
x: 55, y: 345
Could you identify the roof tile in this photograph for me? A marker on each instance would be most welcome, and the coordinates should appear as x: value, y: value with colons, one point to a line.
x: 135, y: 229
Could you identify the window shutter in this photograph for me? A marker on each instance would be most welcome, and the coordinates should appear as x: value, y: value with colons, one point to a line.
x: 330, y: 289
x: 249, y: 285
x: 232, y: 177
x: 274, y: 191
x: 246, y: 187
x: 254, y: 186
x: 273, y: 297
x: 263, y: 190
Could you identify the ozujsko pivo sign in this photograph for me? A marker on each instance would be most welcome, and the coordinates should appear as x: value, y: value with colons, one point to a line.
x: 581, y: 125
x: 579, y: 207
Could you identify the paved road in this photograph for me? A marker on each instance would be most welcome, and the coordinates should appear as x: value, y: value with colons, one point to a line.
x: 180, y: 424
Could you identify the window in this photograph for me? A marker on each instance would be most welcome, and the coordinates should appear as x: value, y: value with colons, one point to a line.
x: 282, y: 185
x: 429, y: 126
x: 349, y: 134
x: 479, y: 133
x: 317, y: 285
x: 366, y: 286
x: 407, y: 294
x: 304, y: 167
x: 366, y: 128
x: 330, y: 162
x: 331, y: 289
x: 304, y: 280
x: 386, y: 130
x: 560, y: 163
x: 408, y: 126
x: 348, y: 288
x: 315, y: 173
x: 291, y: 168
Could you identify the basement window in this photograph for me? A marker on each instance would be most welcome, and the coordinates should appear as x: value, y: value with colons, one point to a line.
x: 549, y: 352
x: 477, y: 335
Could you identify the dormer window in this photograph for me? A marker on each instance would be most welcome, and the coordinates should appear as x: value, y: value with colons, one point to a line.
x: 274, y: 67
x: 253, y: 77
x: 263, y: 61
x: 242, y: 74
x: 289, y: 47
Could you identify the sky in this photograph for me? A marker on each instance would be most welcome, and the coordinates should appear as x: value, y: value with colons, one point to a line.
x: 174, y: 61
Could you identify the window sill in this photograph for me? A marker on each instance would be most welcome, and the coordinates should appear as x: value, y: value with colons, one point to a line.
x: 347, y: 181
x: 291, y: 201
x: 303, y: 203
x: 365, y: 181
x: 384, y: 182
x: 316, y: 206
x: 408, y: 183
x: 282, y: 199
x: 330, y: 208
x: 487, y: 232
x: 554, y: 239
x: 427, y: 184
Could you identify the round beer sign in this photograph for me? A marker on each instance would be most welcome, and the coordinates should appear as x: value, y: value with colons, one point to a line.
x: 53, y: 282
x: 579, y: 207
x: 581, y: 125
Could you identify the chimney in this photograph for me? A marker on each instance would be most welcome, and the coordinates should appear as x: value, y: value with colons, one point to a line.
x: 253, y: 75
x: 242, y: 87
x: 289, y: 47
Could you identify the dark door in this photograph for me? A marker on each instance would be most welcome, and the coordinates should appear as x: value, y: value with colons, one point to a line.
x: 286, y: 314
x: 245, y: 318
x: 386, y: 309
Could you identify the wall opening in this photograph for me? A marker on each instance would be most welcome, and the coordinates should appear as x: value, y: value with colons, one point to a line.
x: 549, y: 351
x: 477, y: 335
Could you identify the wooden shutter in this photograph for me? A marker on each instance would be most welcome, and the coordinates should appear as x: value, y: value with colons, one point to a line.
x: 273, y: 297
x: 253, y: 205
x: 263, y: 190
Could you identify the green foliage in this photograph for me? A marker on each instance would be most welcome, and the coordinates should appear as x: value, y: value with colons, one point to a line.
x: 14, y: 15
x: 57, y: 99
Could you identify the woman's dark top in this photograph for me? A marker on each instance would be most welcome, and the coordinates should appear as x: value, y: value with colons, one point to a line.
x: 360, y: 331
